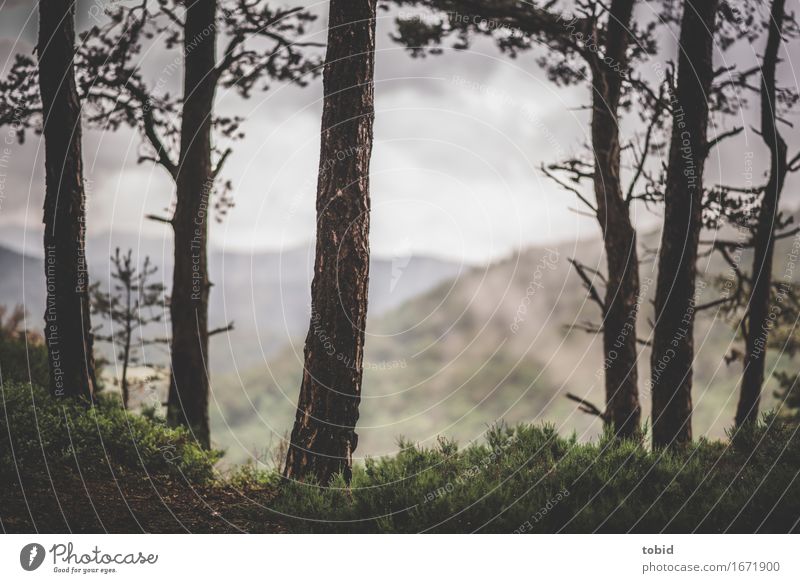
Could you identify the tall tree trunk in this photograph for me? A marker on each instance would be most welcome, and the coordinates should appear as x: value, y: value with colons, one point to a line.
x: 619, y: 237
x: 189, y: 384
x: 673, y: 343
x: 324, y: 437
x: 763, y: 240
x: 68, y: 329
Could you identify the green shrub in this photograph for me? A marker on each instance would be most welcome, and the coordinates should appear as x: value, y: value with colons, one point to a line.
x: 35, y: 428
x: 23, y: 355
x: 531, y: 480
x: 251, y: 476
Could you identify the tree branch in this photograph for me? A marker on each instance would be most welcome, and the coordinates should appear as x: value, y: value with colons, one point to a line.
x: 587, y: 406
x: 594, y: 295
x: 221, y: 330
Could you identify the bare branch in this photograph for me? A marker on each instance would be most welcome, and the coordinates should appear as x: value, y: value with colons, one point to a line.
x: 721, y: 137
x: 586, y: 406
x: 221, y: 162
x: 158, y: 219
x: 588, y: 284
x: 577, y: 176
x: 221, y: 330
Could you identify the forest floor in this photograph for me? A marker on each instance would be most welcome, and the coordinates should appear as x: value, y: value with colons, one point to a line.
x: 66, y: 468
x: 147, y: 504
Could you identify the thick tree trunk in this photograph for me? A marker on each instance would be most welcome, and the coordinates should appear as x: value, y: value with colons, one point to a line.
x: 619, y: 237
x: 68, y: 329
x: 673, y: 343
x: 759, y: 307
x: 189, y: 384
x: 324, y: 437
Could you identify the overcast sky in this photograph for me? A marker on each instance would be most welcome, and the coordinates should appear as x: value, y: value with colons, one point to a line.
x: 459, y: 139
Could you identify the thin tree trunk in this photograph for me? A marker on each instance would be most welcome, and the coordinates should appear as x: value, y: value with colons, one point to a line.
x: 125, y: 381
x: 619, y: 237
x: 189, y: 385
x: 68, y: 327
x: 127, y: 351
x: 324, y: 437
x: 759, y: 307
x: 673, y: 343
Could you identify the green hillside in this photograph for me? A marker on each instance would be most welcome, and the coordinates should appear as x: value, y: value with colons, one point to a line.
x: 494, y: 343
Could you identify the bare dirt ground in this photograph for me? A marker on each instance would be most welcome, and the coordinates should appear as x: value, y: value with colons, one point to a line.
x: 131, y: 504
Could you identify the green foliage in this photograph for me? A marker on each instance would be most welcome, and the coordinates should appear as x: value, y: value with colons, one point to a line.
x: 23, y: 355
x: 252, y: 476
x: 788, y: 394
x: 528, y: 479
x: 36, y: 429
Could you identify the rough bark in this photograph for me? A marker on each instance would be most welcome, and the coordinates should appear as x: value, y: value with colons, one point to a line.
x: 763, y: 240
x: 189, y: 383
x: 324, y: 438
x: 673, y: 343
x: 68, y: 328
x: 623, y: 412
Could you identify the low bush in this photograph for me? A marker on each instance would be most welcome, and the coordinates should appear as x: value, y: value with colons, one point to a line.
x: 528, y: 479
x: 39, y: 433
x: 23, y: 354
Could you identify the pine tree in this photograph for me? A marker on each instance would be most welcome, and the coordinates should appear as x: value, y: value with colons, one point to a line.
x: 131, y: 304
x: 323, y: 438
x: 758, y: 316
x: 598, y: 42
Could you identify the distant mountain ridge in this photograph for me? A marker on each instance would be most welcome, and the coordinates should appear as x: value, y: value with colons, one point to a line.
x: 265, y: 294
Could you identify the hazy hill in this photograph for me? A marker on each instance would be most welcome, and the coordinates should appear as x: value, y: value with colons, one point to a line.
x: 494, y: 343
x: 265, y: 294
x: 23, y: 284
